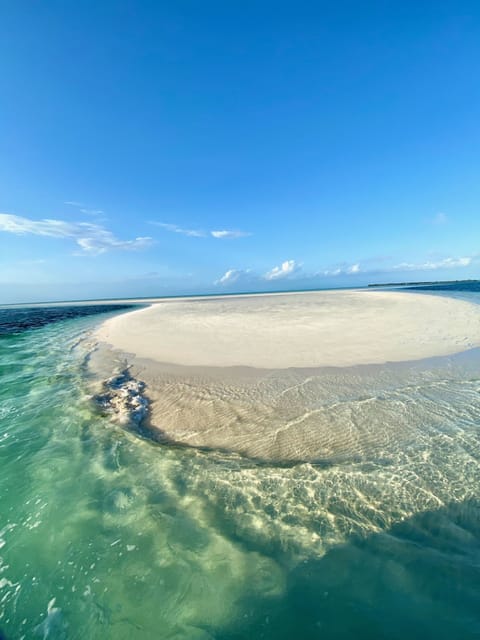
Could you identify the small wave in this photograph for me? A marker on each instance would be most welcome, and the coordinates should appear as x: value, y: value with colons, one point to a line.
x: 17, y: 320
x: 122, y: 397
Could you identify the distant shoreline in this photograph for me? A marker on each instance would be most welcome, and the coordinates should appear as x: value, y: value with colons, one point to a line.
x: 424, y: 283
x: 230, y: 294
x: 179, y: 297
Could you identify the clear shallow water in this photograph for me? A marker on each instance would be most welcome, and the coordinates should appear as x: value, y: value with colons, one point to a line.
x: 105, y: 534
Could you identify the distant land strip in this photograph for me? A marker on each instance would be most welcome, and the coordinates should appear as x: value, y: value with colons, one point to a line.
x: 423, y: 283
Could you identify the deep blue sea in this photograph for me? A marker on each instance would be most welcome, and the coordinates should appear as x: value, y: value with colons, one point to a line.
x: 106, y: 534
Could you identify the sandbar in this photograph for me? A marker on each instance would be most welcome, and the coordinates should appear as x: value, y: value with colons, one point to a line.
x: 327, y: 377
x: 314, y: 329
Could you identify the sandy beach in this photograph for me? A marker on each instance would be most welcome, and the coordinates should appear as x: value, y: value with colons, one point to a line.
x: 293, y: 377
x: 328, y: 328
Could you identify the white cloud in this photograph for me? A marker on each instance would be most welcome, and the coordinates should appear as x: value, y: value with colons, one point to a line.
x: 460, y: 262
x: 198, y: 233
x: 286, y: 269
x: 83, y: 208
x: 232, y: 275
x: 92, y: 238
x: 342, y: 270
x: 74, y: 203
x: 429, y: 265
x: 247, y: 276
x: 446, y: 263
x: 194, y: 233
x: 292, y: 269
x: 92, y: 212
x: 229, y: 234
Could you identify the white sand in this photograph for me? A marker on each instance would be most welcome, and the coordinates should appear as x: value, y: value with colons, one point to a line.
x: 328, y: 328
x: 287, y: 405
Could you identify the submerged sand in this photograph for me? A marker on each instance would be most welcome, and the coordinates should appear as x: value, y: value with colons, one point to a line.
x: 293, y: 377
x: 298, y: 377
x: 328, y: 328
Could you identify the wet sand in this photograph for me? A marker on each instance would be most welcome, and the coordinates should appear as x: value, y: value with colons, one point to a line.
x: 325, y: 376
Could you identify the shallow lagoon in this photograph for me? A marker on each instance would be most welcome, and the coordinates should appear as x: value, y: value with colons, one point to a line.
x: 105, y: 533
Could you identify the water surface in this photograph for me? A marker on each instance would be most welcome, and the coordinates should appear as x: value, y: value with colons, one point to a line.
x: 107, y: 534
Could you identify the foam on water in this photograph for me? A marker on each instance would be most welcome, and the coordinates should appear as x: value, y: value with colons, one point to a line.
x: 123, y: 397
x: 110, y: 535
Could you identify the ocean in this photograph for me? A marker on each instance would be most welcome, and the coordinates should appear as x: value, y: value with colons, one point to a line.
x: 107, y: 533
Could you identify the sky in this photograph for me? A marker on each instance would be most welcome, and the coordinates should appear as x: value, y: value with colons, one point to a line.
x: 183, y: 147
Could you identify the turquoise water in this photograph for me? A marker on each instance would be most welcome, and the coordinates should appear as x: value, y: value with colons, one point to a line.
x: 106, y: 534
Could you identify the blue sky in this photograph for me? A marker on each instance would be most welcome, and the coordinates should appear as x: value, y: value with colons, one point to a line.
x: 151, y: 148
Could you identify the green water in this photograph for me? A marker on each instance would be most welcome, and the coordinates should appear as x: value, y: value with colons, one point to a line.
x: 105, y: 534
